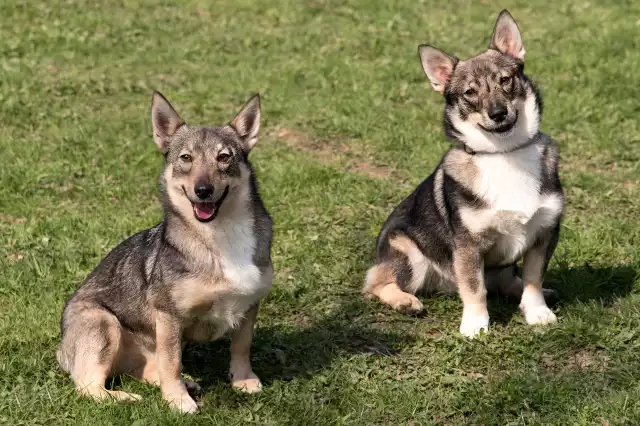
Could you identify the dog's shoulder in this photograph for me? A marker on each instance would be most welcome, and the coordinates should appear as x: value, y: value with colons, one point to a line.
x: 128, y: 256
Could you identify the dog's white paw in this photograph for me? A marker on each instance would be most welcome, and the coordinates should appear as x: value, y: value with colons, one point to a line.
x: 250, y: 384
x: 179, y: 399
x: 244, y: 379
x: 539, y: 315
x: 472, y: 325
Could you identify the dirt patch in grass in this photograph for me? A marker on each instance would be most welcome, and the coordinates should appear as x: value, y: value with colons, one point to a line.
x: 333, y: 153
x: 7, y: 218
x: 576, y: 361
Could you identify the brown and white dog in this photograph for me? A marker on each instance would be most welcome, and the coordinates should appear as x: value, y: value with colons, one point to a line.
x: 198, y: 274
x: 494, y: 198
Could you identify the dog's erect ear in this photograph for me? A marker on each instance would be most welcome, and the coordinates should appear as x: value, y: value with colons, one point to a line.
x: 506, y: 36
x: 247, y: 122
x: 437, y: 65
x: 165, y: 121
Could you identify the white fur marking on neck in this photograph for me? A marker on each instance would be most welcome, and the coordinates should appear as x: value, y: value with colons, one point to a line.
x: 510, y: 181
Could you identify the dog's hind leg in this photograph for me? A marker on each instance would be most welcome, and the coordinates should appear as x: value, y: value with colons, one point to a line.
x: 381, y: 283
x: 89, y: 350
x: 505, y: 282
x: 403, y: 273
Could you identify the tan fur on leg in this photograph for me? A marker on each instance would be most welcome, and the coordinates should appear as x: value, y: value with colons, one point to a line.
x: 169, y: 364
x: 242, y: 375
x: 381, y: 283
x: 533, y: 305
x: 93, y: 343
x: 469, y: 271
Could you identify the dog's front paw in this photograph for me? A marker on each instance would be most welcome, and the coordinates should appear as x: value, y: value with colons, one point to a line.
x: 183, y: 403
x: 179, y: 399
x: 243, y: 378
x: 250, y: 384
x: 539, y: 315
x: 474, y: 324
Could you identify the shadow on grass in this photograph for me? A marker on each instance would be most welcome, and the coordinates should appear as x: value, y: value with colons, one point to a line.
x: 558, y: 398
x: 587, y: 283
x: 285, y: 353
x: 281, y: 353
x: 575, y: 284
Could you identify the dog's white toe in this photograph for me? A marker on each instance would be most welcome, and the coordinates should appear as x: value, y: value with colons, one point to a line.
x: 472, y: 325
x: 185, y: 404
x: 180, y: 400
x: 539, y: 315
x: 250, y: 385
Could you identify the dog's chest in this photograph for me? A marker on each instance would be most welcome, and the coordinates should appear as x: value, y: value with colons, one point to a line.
x: 510, y: 186
x: 216, y: 301
x: 511, y: 181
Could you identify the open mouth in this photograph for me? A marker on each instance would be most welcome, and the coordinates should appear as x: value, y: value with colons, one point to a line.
x: 206, y: 212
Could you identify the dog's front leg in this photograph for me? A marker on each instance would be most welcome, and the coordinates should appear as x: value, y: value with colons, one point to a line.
x: 468, y: 266
x: 242, y: 376
x: 536, y: 260
x: 169, y: 363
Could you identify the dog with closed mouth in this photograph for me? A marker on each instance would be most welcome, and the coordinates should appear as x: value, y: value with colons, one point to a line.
x: 495, y: 197
x: 198, y: 274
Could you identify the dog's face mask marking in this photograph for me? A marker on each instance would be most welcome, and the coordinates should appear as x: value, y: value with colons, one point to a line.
x: 490, y: 103
x: 486, y: 89
x: 205, y: 166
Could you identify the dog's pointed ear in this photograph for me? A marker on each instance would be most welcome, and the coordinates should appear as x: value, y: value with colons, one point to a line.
x: 165, y: 121
x: 506, y: 36
x: 437, y: 65
x: 247, y: 122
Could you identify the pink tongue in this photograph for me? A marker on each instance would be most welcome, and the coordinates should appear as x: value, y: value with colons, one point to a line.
x: 204, y: 210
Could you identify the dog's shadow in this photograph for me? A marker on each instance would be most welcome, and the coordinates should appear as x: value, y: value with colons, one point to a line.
x: 575, y: 285
x: 283, y: 352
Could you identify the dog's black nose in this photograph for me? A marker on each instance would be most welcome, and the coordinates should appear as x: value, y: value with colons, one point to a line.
x: 498, y: 112
x: 203, y: 190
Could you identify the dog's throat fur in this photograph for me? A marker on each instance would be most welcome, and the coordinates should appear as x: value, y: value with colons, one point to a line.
x: 531, y: 141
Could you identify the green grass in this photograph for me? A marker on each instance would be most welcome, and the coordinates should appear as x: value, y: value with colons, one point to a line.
x: 350, y: 127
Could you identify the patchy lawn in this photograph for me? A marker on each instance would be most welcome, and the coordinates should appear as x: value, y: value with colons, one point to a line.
x: 350, y: 127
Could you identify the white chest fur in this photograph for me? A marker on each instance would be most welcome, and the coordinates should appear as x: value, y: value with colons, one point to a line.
x: 510, y: 186
x: 216, y: 303
x: 510, y: 181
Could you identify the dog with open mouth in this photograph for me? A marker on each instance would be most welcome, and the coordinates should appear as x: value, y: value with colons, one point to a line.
x: 197, y: 275
x: 495, y: 197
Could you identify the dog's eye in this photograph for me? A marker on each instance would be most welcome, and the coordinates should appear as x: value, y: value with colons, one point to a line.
x: 186, y: 158
x: 470, y: 92
x: 505, y: 80
x: 224, y: 157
